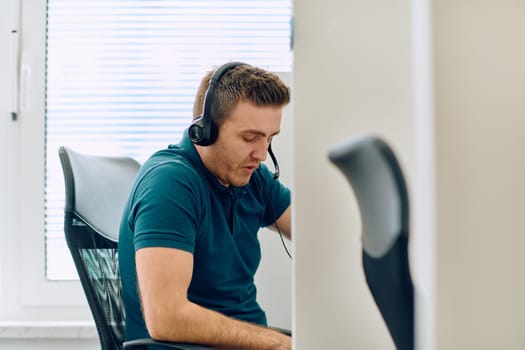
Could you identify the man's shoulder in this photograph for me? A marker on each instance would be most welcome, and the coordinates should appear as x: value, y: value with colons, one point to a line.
x: 168, y: 161
x: 167, y: 169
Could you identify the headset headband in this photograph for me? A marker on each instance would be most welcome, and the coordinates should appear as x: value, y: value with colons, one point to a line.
x: 203, y: 131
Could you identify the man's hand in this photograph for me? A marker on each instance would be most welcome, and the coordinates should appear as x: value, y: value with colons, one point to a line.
x: 278, y: 341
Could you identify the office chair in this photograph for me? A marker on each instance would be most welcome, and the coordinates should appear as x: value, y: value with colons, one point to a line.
x: 97, y: 189
x: 371, y: 168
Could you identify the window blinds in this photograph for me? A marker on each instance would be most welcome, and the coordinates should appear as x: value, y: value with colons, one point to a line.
x: 121, y: 78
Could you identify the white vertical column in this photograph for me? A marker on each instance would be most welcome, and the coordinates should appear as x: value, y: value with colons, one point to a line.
x: 353, y: 74
x: 423, y: 194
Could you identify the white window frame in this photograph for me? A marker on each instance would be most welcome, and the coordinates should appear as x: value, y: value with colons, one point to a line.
x: 25, y: 294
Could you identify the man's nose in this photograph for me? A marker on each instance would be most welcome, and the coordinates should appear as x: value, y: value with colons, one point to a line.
x: 261, y: 152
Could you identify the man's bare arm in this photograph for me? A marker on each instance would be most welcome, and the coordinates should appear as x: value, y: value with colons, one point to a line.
x: 284, y: 223
x: 164, y: 275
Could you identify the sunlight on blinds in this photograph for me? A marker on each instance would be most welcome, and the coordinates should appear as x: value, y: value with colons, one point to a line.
x: 121, y: 77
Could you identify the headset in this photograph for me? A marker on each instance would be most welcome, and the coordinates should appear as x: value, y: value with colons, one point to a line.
x: 203, y: 131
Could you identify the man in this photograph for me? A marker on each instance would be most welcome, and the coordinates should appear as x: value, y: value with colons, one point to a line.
x: 188, y: 245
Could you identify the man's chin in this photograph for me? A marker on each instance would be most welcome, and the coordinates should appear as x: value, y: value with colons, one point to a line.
x: 241, y: 181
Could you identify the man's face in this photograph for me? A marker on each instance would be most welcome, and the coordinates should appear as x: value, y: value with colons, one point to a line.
x: 242, y: 142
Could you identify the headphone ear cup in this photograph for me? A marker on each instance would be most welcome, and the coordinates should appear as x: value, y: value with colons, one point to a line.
x: 202, y: 132
x: 196, y: 131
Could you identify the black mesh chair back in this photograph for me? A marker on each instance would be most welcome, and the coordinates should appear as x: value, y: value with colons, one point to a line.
x: 97, y: 189
x: 374, y: 173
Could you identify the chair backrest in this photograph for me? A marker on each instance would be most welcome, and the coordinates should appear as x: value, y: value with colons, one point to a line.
x: 97, y: 189
x: 374, y: 173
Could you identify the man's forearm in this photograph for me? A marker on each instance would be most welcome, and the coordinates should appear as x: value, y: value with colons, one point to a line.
x: 194, y: 324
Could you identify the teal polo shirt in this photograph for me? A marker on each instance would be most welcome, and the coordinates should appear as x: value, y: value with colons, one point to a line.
x: 177, y: 203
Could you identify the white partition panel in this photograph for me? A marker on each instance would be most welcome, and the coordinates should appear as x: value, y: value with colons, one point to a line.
x: 354, y: 73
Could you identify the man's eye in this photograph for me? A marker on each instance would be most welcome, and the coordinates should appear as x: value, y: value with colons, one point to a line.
x: 250, y: 138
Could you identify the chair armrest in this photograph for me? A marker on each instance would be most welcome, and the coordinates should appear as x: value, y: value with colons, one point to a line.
x: 141, y: 343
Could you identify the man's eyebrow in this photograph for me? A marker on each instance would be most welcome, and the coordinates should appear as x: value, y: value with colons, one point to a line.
x: 259, y: 133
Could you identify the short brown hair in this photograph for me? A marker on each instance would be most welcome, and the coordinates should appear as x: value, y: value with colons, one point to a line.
x: 242, y: 83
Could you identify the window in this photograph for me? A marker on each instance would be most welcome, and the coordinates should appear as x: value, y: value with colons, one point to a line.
x: 104, y: 76
x: 121, y: 76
